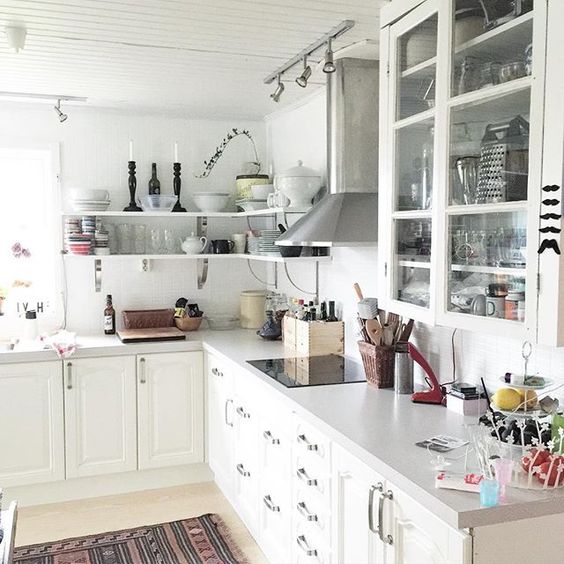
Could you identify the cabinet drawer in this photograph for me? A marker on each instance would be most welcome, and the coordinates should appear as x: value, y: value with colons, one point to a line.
x: 308, y: 547
x: 311, y: 444
x: 274, y: 510
x: 274, y: 452
x: 312, y: 477
x: 311, y: 510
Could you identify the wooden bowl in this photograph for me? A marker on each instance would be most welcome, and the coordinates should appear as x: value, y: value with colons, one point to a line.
x: 188, y: 323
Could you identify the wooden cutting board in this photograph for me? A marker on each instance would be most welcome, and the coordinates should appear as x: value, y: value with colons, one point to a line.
x: 151, y: 335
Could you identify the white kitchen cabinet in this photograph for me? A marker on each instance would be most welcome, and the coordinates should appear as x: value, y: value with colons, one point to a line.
x: 170, y: 406
x: 100, y: 416
x: 356, y: 521
x: 220, y: 416
x: 416, y: 536
x: 31, y: 423
x: 462, y: 154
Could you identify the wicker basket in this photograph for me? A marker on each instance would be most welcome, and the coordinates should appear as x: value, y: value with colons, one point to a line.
x: 378, y: 363
x: 188, y: 323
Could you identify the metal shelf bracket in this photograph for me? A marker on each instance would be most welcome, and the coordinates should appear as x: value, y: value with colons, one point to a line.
x: 202, y: 264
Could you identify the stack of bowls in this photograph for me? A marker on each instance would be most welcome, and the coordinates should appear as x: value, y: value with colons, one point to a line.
x: 72, y: 228
x: 79, y: 244
x: 90, y: 200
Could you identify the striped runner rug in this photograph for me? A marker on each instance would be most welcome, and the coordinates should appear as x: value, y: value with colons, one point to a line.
x: 199, y: 540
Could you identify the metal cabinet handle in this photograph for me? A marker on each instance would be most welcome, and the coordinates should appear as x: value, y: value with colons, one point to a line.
x: 142, y: 377
x: 302, y: 475
x: 309, y: 446
x: 217, y: 372
x: 388, y: 539
x: 371, y: 493
x: 302, y: 510
x: 69, y: 375
x: 242, y: 471
x: 302, y: 543
x: 227, y: 402
x: 268, y: 436
x: 242, y: 413
x: 267, y: 500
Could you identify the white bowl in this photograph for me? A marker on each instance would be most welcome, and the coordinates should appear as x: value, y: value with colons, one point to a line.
x: 261, y: 191
x: 211, y: 201
x: 251, y: 205
x: 87, y: 194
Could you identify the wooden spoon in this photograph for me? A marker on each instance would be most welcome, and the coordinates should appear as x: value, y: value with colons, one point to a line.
x: 374, y: 330
x: 358, y: 291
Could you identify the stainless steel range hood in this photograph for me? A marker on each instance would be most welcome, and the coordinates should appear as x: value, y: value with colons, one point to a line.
x: 348, y: 215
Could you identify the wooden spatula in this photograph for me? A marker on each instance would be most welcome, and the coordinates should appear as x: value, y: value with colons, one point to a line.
x: 374, y: 330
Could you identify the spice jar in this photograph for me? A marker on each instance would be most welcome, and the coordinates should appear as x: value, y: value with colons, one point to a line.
x: 512, y: 304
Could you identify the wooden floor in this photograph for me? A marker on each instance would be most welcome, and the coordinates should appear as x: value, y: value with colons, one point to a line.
x: 85, y: 517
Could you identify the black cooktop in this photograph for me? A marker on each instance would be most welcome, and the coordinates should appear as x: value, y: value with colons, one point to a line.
x: 296, y: 372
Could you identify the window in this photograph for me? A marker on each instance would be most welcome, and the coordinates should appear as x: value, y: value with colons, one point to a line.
x: 29, y: 269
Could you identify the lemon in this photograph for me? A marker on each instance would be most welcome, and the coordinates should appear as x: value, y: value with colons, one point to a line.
x: 529, y: 396
x: 507, y: 399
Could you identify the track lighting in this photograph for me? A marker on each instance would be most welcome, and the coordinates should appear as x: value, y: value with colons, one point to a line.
x: 304, y: 77
x: 329, y: 65
x: 62, y: 117
x: 279, y: 90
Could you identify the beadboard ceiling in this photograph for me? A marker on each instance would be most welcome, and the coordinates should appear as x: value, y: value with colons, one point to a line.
x: 186, y: 57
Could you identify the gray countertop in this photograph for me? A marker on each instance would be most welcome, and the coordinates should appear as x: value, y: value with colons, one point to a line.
x: 377, y: 426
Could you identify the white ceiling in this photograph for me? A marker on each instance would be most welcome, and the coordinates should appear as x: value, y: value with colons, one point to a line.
x: 187, y: 57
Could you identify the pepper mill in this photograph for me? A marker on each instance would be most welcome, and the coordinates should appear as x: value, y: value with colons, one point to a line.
x: 132, y: 182
x: 176, y: 187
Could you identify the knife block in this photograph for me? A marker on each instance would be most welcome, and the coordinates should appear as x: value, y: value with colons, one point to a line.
x: 313, y: 338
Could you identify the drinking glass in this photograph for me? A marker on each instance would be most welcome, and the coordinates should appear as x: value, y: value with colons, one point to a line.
x: 170, y: 241
x: 140, y: 237
x: 124, y: 236
x: 156, y: 240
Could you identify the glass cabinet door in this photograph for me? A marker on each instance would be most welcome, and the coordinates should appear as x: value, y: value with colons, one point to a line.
x: 489, y: 112
x: 414, y: 47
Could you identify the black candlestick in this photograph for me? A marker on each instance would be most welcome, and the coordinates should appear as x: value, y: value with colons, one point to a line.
x: 176, y: 187
x: 132, y: 182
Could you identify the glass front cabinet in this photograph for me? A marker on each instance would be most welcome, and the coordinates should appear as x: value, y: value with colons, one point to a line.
x: 465, y: 107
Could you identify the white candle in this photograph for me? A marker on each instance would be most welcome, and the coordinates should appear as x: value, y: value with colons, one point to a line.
x: 131, y: 149
x: 176, y: 151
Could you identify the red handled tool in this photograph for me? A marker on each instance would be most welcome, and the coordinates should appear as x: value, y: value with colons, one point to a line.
x: 437, y: 393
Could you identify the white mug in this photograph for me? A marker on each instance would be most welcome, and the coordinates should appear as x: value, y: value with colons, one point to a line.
x: 239, y: 243
x: 495, y: 306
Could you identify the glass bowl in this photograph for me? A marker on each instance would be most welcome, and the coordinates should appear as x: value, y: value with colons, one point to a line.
x: 222, y: 322
x: 157, y: 202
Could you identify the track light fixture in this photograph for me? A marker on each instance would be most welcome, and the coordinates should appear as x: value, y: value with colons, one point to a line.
x: 329, y: 65
x: 279, y: 90
x: 62, y: 117
x: 304, y: 77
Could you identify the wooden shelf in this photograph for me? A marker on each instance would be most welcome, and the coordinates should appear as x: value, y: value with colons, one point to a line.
x: 232, y: 256
x: 500, y: 271
x: 501, y: 207
x: 180, y: 215
x: 500, y: 41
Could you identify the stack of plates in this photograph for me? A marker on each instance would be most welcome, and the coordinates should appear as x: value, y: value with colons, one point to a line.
x: 88, y: 225
x: 79, y: 244
x: 266, y: 244
x: 249, y: 204
x: 72, y: 228
x: 90, y: 200
x: 101, y: 241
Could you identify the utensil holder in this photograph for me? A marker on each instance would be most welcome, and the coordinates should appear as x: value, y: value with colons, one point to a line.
x: 378, y: 364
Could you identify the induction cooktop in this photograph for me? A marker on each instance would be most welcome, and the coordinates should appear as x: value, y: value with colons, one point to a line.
x: 297, y: 372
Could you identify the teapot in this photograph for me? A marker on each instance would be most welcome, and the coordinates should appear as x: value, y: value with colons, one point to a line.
x: 194, y: 245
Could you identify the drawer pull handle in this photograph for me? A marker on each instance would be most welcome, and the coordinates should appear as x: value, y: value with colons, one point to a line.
x: 142, y: 377
x: 302, y: 510
x: 242, y: 471
x: 268, y: 436
x: 309, y: 446
x: 268, y: 502
x: 214, y: 371
x: 217, y: 372
x: 371, y: 493
x: 302, y: 543
x: 225, y: 410
x: 302, y: 475
x: 69, y: 375
x: 388, y: 539
x: 242, y: 413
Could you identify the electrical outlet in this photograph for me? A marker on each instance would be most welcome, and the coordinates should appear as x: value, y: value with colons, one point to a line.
x: 145, y: 265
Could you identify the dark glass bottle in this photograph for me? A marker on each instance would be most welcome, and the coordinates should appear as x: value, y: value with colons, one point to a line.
x: 332, y: 316
x: 312, y: 314
x: 109, y: 317
x: 154, y: 184
x: 323, y: 311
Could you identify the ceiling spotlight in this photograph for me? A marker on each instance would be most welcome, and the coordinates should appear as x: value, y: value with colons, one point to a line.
x: 279, y: 90
x: 329, y: 65
x: 62, y: 117
x: 15, y: 36
x: 303, y: 78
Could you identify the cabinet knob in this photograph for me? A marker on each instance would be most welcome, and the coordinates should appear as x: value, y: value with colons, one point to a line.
x: 302, y: 439
x: 303, y: 510
x: 303, y: 476
x: 242, y: 413
x: 267, y: 500
x: 268, y: 436
x: 142, y: 376
x: 242, y: 471
x: 302, y: 543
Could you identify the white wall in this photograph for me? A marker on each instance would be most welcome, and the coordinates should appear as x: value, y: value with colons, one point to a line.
x: 301, y: 134
x: 94, y: 154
